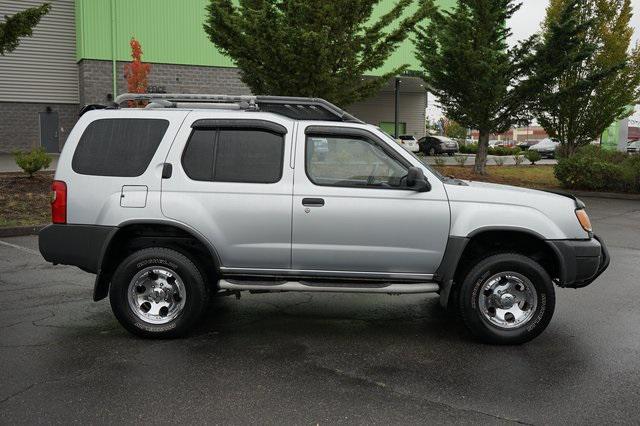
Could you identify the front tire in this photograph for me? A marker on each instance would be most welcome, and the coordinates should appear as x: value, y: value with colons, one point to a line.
x: 158, y: 293
x: 507, y: 299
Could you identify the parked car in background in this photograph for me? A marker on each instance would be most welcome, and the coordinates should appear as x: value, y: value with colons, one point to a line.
x: 409, y: 142
x: 496, y: 143
x: 546, y: 148
x: 436, y: 145
x: 633, y: 147
x: 525, y: 145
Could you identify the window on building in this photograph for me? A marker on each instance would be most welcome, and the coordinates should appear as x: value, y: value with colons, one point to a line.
x: 390, y: 127
x: 351, y: 161
x: 234, y: 155
x: 118, y: 146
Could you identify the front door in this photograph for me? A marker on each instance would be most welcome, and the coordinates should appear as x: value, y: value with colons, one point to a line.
x: 352, y: 210
x: 49, y: 133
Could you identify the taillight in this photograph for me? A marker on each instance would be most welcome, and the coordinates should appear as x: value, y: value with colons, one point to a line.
x: 58, y: 202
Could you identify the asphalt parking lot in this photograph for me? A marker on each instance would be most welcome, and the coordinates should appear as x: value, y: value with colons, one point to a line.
x: 319, y: 359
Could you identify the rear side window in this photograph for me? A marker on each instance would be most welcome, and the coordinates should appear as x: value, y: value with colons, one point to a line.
x: 234, y: 155
x: 118, y: 146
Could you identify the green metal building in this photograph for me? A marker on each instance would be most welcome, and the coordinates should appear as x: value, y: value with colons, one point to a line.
x: 78, y: 52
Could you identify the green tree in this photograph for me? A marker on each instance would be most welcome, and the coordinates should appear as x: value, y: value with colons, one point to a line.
x: 454, y: 130
x: 309, y: 47
x: 20, y: 25
x: 588, y: 41
x: 470, y: 68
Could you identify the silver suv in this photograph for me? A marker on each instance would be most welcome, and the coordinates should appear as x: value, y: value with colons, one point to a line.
x: 202, y: 195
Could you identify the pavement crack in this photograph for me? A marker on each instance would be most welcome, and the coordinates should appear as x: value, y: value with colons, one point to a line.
x: 51, y: 315
x: 383, y: 386
x: 80, y: 374
x: 21, y: 391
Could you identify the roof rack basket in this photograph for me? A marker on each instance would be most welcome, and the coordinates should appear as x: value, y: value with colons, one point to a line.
x: 292, y: 107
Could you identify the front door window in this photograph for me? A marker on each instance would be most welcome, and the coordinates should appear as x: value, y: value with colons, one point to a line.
x: 351, y: 162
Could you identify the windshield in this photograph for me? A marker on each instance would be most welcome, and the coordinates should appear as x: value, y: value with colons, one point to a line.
x: 421, y: 160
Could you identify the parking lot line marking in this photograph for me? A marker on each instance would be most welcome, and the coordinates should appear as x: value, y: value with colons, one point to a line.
x: 17, y: 247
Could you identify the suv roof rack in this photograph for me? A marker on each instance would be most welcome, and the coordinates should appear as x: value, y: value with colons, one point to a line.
x: 292, y: 107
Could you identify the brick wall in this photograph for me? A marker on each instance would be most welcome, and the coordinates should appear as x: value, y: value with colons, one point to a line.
x: 96, y: 80
x: 20, y: 124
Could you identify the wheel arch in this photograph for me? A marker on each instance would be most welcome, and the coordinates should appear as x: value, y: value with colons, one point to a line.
x: 463, y: 252
x: 136, y: 234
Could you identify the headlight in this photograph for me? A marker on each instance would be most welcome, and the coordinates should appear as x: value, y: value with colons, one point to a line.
x: 584, y: 220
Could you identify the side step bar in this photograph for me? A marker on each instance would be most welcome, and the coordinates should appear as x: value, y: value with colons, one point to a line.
x: 384, y: 288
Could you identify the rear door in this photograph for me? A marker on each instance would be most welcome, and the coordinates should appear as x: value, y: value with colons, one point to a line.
x: 232, y: 182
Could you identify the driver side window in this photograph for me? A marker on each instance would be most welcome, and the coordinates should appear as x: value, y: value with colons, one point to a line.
x: 352, y: 162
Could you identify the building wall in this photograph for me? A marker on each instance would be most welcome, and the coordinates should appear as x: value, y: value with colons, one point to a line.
x: 381, y: 109
x: 20, y: 124
x: 171, y: 32
x: 43, y: 67
x: 96, y: 84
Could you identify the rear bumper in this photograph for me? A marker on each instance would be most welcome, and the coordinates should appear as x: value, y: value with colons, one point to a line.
x: 77, y: 245
x: 581, y: 261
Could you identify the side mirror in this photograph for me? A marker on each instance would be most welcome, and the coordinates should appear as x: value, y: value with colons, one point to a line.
x: 417, y: 181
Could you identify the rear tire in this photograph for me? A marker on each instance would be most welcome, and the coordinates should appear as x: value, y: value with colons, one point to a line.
x: 507, y: 299
x: 158, y: 293
x: 432, y: 152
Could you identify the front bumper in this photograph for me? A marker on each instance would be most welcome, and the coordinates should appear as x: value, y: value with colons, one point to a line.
x: 581, y: 261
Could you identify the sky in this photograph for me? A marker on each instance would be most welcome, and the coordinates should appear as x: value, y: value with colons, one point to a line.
x: 527, y: 21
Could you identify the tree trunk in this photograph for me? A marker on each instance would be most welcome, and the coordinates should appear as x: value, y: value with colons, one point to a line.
x: 481, y: 156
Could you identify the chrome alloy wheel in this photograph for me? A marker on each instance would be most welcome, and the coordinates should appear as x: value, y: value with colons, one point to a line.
x: 508, y: 300
x: 156, y: 295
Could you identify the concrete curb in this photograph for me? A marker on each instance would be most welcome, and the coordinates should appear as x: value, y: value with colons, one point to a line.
x: 20, y: 231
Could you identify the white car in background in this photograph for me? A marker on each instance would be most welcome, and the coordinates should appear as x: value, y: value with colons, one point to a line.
x: 409, y: 142
x: 546, y: 148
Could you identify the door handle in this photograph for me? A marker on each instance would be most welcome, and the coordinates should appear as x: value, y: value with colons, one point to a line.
x: 313, y: 202
x: 167, y: 170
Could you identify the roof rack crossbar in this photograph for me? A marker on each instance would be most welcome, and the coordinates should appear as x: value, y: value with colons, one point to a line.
x: 169, y: 100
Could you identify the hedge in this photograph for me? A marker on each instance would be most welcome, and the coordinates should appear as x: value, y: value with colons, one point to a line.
x: 594, y: 169
x: 498, y: 150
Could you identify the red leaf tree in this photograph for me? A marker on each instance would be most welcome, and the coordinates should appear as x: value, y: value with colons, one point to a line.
x: 136, y: 72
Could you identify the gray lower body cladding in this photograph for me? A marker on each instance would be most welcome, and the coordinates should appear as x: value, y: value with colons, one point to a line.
x: 581, y: 261
x: 78, y: 245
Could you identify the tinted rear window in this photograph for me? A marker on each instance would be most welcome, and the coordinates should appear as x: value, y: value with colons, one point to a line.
x: 118, y: 146
x: 234, y: 155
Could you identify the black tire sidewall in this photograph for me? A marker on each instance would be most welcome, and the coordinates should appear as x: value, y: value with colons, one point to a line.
x: 195, y: 288
x: 477, y: 276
